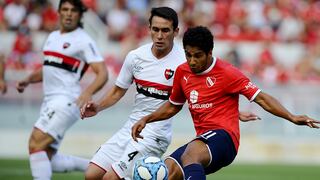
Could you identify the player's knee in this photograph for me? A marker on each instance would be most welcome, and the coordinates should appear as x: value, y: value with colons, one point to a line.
x: 110, y: 175
x: 39, y: 141
x: 34, y: 146
x: 188, y: 158
x: 93, y: 173
x: 91, y: 176
x: 175, y: 172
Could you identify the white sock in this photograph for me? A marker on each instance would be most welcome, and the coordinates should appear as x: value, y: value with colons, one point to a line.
x: 40, y: 166
x: 67, y: 163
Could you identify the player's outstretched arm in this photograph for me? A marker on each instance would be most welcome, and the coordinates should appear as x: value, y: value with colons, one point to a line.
x: 273, y: 106
x: 248, y: 116
x: 34, y: 77
x: 91, y: 108
x: 166, y: 111
x: 101, y: 78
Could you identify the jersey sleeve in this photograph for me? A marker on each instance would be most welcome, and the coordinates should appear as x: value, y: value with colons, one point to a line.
x: 239, y: 83
x: 91, y: 51
x: 177, y: 96
x: 125, y: 77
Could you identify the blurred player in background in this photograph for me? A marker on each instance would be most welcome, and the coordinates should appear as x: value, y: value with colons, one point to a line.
x: 3, y: 85
x: 152, y: 67
x: 212, y: 88
x: 68, y: 52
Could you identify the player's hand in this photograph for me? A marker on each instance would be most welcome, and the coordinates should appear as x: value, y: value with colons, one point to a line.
x: 83, y: 98
x: 89, y: 109
x: 21, y: 85
x: 137, y: 128
x: 305, y: 120
x: 3, y: 86
x: 248, y: 116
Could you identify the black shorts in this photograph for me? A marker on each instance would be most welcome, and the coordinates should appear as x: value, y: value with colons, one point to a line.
x: 221, y: 148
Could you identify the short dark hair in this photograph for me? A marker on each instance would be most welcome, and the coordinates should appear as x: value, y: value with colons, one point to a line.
x: 200, y: 37
x: 166, y: 13
x: 79, y: 5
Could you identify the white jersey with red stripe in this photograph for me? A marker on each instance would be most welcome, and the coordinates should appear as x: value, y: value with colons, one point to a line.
x: 153, y: 78
x: 66, y: 58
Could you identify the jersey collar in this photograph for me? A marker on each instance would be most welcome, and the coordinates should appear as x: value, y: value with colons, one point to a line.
x: 214, y: 59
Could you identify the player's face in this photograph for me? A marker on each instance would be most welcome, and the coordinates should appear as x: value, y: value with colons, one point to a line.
x: 162, y: 34
x: 69, y: 17
x: 197, y: 59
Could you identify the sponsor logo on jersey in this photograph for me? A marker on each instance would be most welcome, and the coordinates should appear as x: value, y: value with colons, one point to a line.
x: 66, y: 45
x: 64, y: 62
x: 250, y: 85
x: 194, y: 96
x: 54, y: 59
x: 210, y: 81
x: 153, y: 92
x: 152, y: 89
x: 201, y: 106
x: 168, y: 73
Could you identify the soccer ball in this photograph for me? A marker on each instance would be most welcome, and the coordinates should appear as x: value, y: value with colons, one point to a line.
x: 150, y: 168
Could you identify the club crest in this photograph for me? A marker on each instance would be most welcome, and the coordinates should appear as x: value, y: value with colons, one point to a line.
x: 168, y: 73
x: 210, y: 81
x: 66, y: 45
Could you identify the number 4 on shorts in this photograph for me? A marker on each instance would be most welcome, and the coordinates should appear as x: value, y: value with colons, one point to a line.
x: 132, y: 155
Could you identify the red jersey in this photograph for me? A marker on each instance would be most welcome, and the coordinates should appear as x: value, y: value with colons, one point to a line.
x: 213, y: 96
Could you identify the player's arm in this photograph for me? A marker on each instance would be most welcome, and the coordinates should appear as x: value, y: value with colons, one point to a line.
x: 110, y: 98
x: 34, y: 77
x: 166, y: 111
x: 101, y: 78
x: 273, y: 106
x: 3, y: 85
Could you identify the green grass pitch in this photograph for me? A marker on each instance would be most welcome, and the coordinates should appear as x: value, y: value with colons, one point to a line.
x: 19, y: 170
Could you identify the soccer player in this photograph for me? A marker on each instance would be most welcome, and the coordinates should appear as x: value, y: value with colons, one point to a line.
x: 68, y: 52
x: 151, y: 67
x: 212, y: 88
x: 3, y: 85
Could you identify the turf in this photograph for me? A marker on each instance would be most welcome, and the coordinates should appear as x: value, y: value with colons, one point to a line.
x: 19, y: 170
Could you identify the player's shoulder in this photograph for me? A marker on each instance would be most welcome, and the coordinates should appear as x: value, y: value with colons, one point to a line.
x: 54, y: 33
x: 223, y: 64
x: 141, y: 51
x: 227, y: 68
x: 79, y: 32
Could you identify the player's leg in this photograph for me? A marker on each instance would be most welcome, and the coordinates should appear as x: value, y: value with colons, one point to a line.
x: 102, y: 160
x: 175, y: 170
x: 207, y: 154
x: 56, y: 117
x: 195, y: 157
x: 174, y: 164
x: 67, y: 163
x: 111, y: 175
x: 94, y: 172
x: 39, y: 160
x: 109, y: 152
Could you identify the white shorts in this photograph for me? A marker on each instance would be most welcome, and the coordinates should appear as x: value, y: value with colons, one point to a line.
x: 121, y: 151
x: 57, y: 115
